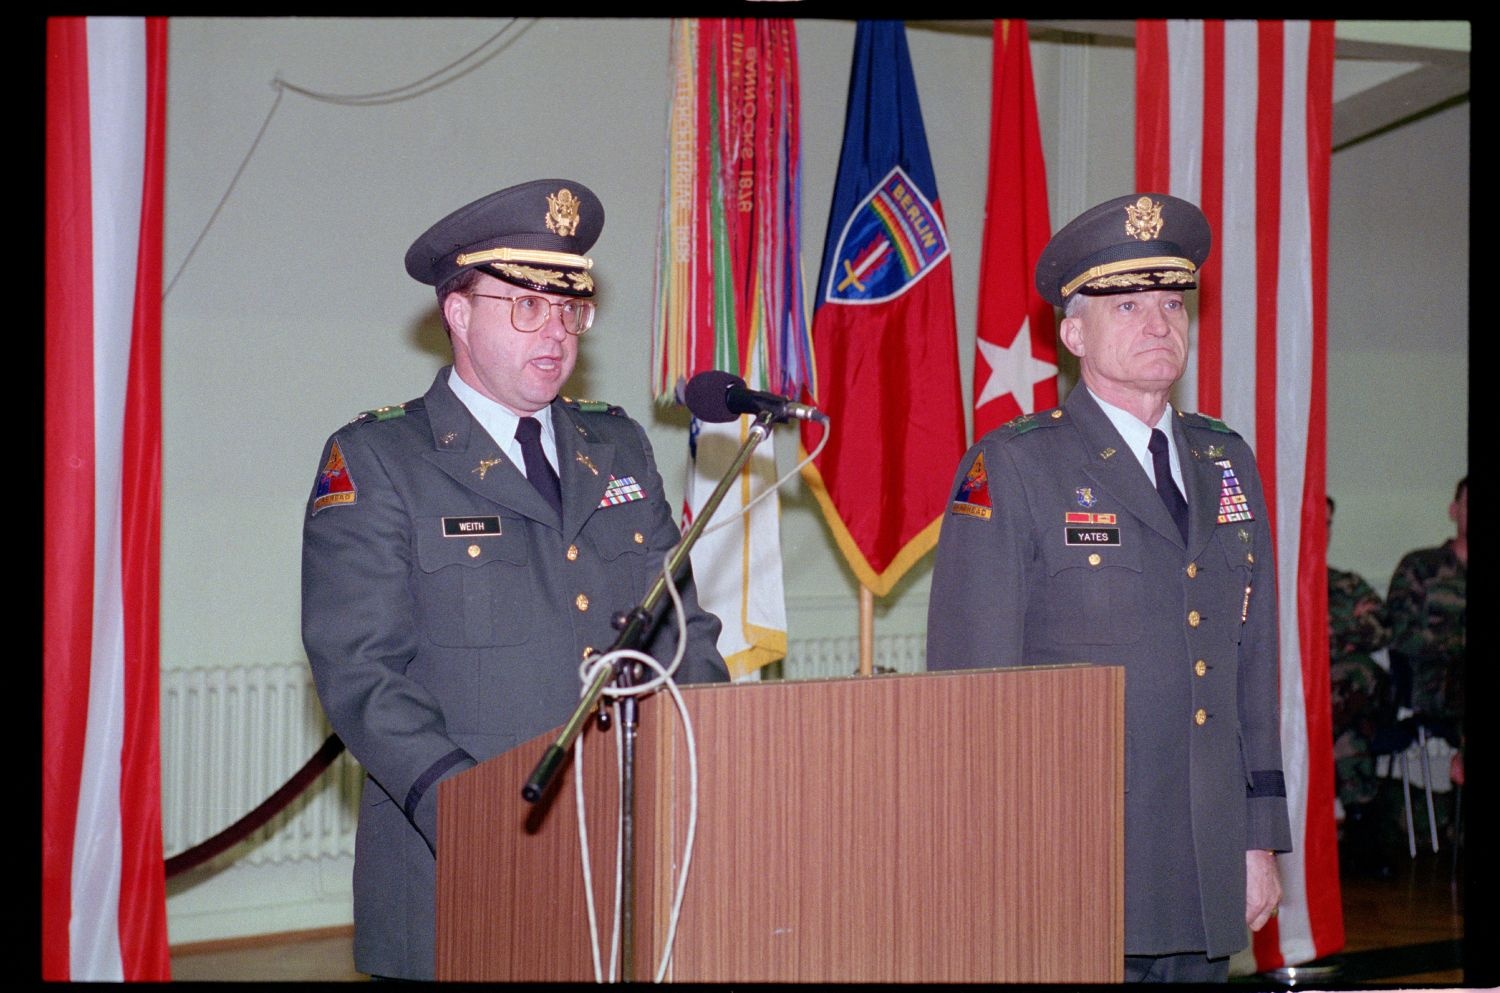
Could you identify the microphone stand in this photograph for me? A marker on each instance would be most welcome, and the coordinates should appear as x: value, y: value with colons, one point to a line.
x: 634, y: 627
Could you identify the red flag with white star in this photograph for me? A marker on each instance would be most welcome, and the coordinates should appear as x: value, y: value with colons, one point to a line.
x: 1015, y: 366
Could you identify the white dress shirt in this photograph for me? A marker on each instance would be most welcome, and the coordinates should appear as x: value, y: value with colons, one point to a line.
x: 500, y: 421
x: 1137, y: 435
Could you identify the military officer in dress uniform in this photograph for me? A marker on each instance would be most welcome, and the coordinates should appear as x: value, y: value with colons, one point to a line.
x: 463, y: 552
x: 1118, y: 531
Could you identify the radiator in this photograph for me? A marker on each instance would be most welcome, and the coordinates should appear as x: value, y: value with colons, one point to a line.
x: 822, y: 658
x: 231, y: 736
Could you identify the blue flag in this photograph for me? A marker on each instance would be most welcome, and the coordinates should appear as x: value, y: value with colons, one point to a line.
x: 885, y: 337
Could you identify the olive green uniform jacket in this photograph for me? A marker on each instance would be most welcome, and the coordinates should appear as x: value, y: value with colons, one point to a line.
x: 1193, y: 626
x: 446, y: 609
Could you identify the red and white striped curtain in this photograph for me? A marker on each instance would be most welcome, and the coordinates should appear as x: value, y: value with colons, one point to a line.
x: 1236, y: 117
x: 103, y: 884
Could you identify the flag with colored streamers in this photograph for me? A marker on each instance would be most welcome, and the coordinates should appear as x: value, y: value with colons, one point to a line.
x: 730, y: 296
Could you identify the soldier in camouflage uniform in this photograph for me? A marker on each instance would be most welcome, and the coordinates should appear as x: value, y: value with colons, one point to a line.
x: 1358, y: 686
x: 1360, y: 694
x: 1426, y: 605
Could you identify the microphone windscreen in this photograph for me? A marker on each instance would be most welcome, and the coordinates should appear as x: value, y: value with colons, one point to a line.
x: 706, y: 396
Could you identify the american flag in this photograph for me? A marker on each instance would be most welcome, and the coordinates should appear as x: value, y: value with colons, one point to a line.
x: 1236, y: 117
x: 103, y: 881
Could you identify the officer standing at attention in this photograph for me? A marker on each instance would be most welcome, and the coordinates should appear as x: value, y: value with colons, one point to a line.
x: 463, y: 552
x: 1117, y: 531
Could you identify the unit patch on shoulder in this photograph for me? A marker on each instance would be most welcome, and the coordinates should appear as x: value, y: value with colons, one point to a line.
x: 973, y: 496
x: 335, y: 485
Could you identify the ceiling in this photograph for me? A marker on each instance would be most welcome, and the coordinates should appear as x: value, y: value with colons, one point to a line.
x: 1385, y: 72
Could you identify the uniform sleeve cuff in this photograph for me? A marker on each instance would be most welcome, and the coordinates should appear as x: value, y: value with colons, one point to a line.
x: 424, y: 816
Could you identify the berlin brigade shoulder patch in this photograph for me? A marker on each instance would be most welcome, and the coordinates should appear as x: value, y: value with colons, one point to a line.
x: 973, y: 496
x: 335, y: 485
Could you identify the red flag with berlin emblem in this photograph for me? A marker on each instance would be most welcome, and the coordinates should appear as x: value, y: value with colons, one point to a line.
x: 884, y: 331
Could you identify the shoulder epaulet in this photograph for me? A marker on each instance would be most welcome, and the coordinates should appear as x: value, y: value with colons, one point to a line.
x: 1204, y: 421
x: 1030, y: 422
x: 594, y: 406
x: 387, y: 413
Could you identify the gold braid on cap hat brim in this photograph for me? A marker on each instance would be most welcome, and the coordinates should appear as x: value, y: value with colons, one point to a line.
x: 536, y: 255
x: 1128, y: 265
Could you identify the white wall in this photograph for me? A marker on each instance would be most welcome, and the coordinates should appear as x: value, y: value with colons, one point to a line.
x: 294, y: 312
x: 1398, y: 340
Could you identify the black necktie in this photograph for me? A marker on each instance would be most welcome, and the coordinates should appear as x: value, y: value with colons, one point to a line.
x: 538, y: 469
x: 1176, y: 505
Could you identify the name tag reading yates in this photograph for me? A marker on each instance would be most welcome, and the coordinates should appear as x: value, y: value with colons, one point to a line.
x: 468, y: 527
x: 1092, y: 536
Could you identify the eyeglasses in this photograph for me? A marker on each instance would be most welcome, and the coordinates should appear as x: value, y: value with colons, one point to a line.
x: 529, y: 313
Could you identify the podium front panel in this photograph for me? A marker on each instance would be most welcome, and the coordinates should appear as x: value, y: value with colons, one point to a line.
x: 941, y: 827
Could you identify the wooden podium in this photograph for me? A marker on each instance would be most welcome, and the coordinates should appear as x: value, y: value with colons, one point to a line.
x: 941, y: 827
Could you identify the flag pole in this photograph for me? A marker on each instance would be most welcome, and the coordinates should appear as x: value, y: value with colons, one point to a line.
x: 866, y: 630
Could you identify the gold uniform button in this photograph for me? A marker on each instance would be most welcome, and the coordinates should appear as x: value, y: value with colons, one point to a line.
x: 1094, y: 558
x: 1194, y: 618
x: 640, y: 539
x: 572, y: 553
x: 1057, y: 415
x: 1200, y: 717
x: 582, y: 601
x: 1200, y: 667
x: 589, y: 650
x: 1192, y: 570
x: 473, y: 551
x: 1250, y: 557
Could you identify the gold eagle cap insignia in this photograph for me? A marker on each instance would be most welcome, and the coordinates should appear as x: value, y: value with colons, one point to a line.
x: 1143, y: 219
x: 562, y: 212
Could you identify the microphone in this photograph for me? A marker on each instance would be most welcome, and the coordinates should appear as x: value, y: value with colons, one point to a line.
x: 717, y: 396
